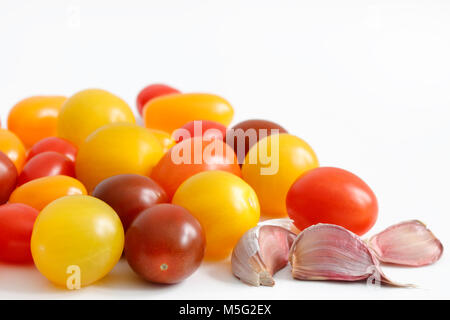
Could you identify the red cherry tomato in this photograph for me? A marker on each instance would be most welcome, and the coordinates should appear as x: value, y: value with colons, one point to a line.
x: 46, y: 164
x: 56, y: 144
x: 207, y: 129
x: 16, y: 226
x: 332, y: 195
x: 165, y: 244
x: 192, y: 156
x: 152, y: 91
x: 8, y: 177
x: 129, y: 195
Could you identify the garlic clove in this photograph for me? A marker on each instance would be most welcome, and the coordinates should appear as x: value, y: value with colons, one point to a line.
x: 408, y: 243
x: 331, y: 252
x: 262, y: 251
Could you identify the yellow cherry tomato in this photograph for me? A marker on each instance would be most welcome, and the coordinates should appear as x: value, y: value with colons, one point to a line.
x: 224, y: 204
x: 88, y: 110
x: 76, y: 240
x: 164, y: 139
x: 35, y: 118
x: 40, y: 192
x: 13, y: 147
x: 116, y: 149
x: 171, y: 112
x: 271, y: 167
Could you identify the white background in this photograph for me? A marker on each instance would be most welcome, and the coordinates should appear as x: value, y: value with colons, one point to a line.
x: 366, y: 83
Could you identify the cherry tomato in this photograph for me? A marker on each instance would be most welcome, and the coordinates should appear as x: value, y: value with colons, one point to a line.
x: 152, y: 91
x: 165, y: 244
x: 76, y: 235
x: 129, y: 195
x: 88, y: 110
x: 8, y: 177
x: 116, y: 149
x: 192, y: 156
x: 46, y: 164
x: 35, y: 118
x: 164, y: 139
x: 16, y: 225
x: 56, y: 144
x: 39, y: 192
x: 272, y: 165
x: 245, y: 134
x: 170, y: 112
x: 224, y: 204
x: 201, y: 128
x: 332, y: 195
x: 11, y: 145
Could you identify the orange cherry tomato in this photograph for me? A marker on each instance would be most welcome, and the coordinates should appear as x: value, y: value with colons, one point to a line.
x: 11, y: 145
x: 152, y: 91
x: 201, y: 128
x: 40, y: 192
x: 170, y: 112
x: 35, y: 118
x: 192, y: 156
x: 271, y: 167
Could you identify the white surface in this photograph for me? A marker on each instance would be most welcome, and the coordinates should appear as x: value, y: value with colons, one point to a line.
x: 366, y: 83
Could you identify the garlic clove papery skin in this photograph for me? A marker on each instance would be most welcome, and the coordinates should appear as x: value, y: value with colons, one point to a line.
x: 408, y: 243
x: 262, y: 251
x: 331, y: 252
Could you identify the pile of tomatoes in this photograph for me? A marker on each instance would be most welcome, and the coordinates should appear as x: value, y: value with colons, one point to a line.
x: 81, y: 183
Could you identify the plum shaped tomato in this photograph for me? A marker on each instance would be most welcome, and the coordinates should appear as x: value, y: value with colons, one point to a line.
x: 224, y: 204
x: 8, y: 177
x: 88, y: 110
x: 245, y: 134
x: 35, y: 118
x: 116, y: 149
x: 164, y: 139
x: 192, y: 156
x: 129, y: 195
x: 46, y: 164
x: 165, y: 244
x: 11, y: 145
x: 55, y: 144
x: 201, y: 128
x: 170, y: 112
x: 39, y: 192
x: 332, y: 195
x: 16, y: 225
x: 76, y: 239
x: 272, y: 165
x: 152, y: 91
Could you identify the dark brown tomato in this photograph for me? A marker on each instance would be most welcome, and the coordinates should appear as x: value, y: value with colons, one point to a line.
x: 245, y: 134
x: 165, y: 244
x: 8, y: 177
x: 129, y: 194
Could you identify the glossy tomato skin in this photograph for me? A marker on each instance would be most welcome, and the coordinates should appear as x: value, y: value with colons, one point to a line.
x: 8, y: 177
x: 225, y: 206
x: 272, y: 177
x: 332, y: 195
x: 55, y: 144
x: 16, y: 225
x: 76, y: 231
x: 165, y: 244
x: 116, y: 149
x: 40, y: 192
x: 174, y: 168
x: 35, y: 118
x: 46, y: 164
x: 201, y: 128
x: 171, y: 112
x: 88, y: 110
x: 153, y: 91
x: 11, y: 145
x: 129, y: 195
x: 240, y: 139
x: 164, y: 139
